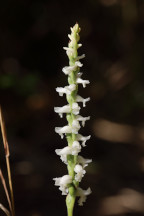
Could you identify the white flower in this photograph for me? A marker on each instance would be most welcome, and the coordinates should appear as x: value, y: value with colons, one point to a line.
x: 82, y: 194
x: 63, y: 130
x: 67, y: 109
x: 83, y: 100
x: 68, y: 129
x: 79, y: 172
x: 68, y: 69
x: 83, y: 139
x: 84, y: 162
x: 83, y: 119
x: 75, y: 126
x: 80, y: 57
x: 75, y: 28
x: 69, y: 51
x: 76, y: 148
x: 61, y: 110
x: 63, y: 153
x: 71, y: 37
x: 83, y: 82
x: 73, y: 150
x: 79, y: 45
x: 66, y: 90
x: 75, y: 108
x: 63, y: 182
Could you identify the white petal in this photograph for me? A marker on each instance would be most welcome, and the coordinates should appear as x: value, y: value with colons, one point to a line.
x: 69, y: 51
x: 75, y: 108
x: 61, y: 110
x: 75, y: 126
x: 79, y: 45
x: 83, y: 82
x: 84, y: 162
x: 78, y: 63
x: 68, y: 150
x: 82, y: 194
x: 66, y: 90
x: 80, y: 57
x: 71, y: 29
x: 80, y: 172
x: 83, y: 100
x: 83, y: 119
x: 68, y: 69
x: 63, y: 130
x: 76, y: 148
x: 71, y: 37
x: 67, y: 48
x: 83, y: 139
x: 62, y: 182
x: 64, y: 151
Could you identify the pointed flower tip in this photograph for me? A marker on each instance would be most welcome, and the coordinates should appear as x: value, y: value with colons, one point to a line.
x: 76, y: 28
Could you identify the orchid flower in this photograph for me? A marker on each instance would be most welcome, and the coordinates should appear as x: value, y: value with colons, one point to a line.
x: 69, y: 184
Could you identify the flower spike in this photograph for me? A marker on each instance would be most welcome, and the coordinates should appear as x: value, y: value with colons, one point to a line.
x: 69, y: 184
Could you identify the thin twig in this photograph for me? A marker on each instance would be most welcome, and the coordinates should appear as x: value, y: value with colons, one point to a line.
x: 4, y: 209
x: 7, y: 154
x: 5, y: 189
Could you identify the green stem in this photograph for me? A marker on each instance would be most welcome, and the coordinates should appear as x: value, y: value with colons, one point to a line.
x: 70, y: 201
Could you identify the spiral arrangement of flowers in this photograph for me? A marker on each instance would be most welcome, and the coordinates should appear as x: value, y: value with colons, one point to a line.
x: 69, y: 184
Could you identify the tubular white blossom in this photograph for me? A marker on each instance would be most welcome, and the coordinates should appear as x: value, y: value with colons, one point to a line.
x: 83, y: 82
x: 83, y: 100
x: 75, y: 108
x: 67, y: 109
x: 63, y: 182
x: 79, y: 172
x: 69, y: 51
x: 66, y: 90
x: 75, y: 126
x: 63, y: 153
x: 83, y: 195
x: 68, y: 129
x: 80, y: 57
x: 82, y: 119
x: 61, y: 110
x: 63, y: 130
x: 68, y: 69
x: 68, y: 150
x: 84, y: 162
x: 71, y: 37
x: 83, y: 139
x: 76, y: 148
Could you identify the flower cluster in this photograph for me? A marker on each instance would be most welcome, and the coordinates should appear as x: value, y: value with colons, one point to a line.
x: 69, y: 154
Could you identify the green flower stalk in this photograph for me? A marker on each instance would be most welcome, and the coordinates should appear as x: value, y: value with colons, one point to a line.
x: 69, y: 184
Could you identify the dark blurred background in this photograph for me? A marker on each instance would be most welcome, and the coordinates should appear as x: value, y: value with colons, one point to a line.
x: 32, y: 37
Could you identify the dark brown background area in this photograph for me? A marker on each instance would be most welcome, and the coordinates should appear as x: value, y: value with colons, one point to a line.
x: 32, y: 37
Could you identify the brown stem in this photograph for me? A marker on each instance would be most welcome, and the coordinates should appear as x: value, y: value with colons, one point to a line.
x: 7, y: 154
